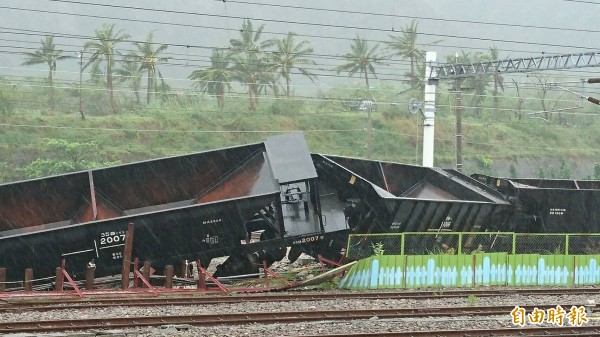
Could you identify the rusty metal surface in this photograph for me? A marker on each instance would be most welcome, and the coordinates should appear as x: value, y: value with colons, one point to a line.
x: 193, y: 297
x: 257, y: 317
x: 186, y: 207
x: 590, y: 331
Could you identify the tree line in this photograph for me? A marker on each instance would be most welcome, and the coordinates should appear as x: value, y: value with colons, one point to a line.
x: 260, y: 65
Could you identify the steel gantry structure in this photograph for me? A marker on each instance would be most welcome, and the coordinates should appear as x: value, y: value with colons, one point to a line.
x: 435, y: 71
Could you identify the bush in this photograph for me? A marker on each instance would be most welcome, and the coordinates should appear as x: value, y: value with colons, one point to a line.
x: 285, y: 107
x: 7, y: 107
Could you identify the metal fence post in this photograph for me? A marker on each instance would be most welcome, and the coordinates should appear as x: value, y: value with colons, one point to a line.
x: 348, y: 245
x: 459, y: 244
x: 566, y: 244
x: 514, y: 243
x: 402, y: 243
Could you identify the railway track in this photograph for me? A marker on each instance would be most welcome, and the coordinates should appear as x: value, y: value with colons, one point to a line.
x: 256, y: 317
x: 194, y: 298
x: 591, y: 331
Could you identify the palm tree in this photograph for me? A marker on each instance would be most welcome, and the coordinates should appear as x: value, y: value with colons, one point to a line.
x: 215, y: 79
x: 405, y: 46
x: 249, y: 63
x: 361, y: 60
x: 104, y: 48
x: 148, y: 57
x: 46, y: 54
x: 288, y: 56
x: 132, y: 73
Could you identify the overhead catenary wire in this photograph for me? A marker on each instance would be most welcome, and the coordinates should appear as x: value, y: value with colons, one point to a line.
x: 279, y: 21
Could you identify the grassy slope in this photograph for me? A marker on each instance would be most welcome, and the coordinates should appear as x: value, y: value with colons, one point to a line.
x: 182, y: 127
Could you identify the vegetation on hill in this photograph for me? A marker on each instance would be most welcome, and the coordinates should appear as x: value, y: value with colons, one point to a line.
x: 246, y: 93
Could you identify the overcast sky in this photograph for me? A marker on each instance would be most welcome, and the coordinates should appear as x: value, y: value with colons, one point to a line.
x: 193, y: 28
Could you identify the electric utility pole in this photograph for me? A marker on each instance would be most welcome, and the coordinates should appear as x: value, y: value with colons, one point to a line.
x: 434, y: 72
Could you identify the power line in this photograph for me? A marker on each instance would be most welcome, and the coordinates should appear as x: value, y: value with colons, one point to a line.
x: 275, y: 21
x: 337, y: 11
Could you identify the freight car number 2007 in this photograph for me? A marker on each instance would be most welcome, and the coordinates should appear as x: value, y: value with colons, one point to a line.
x: 308, y: 239
x: 108, y: 238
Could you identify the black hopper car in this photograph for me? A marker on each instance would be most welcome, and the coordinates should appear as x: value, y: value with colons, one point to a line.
x: 252, y: 202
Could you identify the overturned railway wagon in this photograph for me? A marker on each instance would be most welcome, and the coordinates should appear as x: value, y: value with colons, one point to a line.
x: 249, y: 203
x: 550, y: 205
x: 390, y: 197
x: 196, y: 206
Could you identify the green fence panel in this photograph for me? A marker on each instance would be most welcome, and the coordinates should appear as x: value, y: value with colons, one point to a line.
x: 420, y: 271
x: 489, y: 267
x: 457, y: 270
x: 362, y: 274
x: 453, y: 243
x: 492, y: 242
x: 374, y: 272
x: 554, y: 270
x: 447, y: 263
x: 343, y: 284
x: 511, y: 265
x: 464, y: 266
x: 522, y: 269
x: 431, y: 243
x: 545, y: 244
x: 586, y: 269
x: 584, y: 244
x: 390, y: 265
x: 395, y: 274
x: 362, y: 246
x: 381, y: 272
x: 417, y: 274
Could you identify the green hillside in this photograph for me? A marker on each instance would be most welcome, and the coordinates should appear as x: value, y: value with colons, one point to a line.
x: 35, y: 141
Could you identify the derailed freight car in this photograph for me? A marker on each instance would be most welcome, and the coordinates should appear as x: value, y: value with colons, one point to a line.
x: 550, y: 205
x: 197, y: 206
x: 391, y: 197
x: 209, y: 204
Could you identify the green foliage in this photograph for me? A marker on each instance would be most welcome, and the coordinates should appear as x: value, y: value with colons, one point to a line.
x: 485, y: 162
x: 378, y: 249
x: 361, y: 60
x: 552, y: 172
x: 565, y: 172
x: 286, y: 107
x: 289, y: 56
x: 7, y: 107
x: 66, y: 156
x: 104, y: 49
x: 215, y: 80
x: 472, y: 300
x: 49, y: 55
x: 148, y: 56
x: 478, y: 250
x: 540, y: 173
x: 512, y: 171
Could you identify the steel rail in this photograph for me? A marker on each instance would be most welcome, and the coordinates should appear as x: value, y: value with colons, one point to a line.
x: 34, y: 304
x: 585, y: 330
x: 259, y: 317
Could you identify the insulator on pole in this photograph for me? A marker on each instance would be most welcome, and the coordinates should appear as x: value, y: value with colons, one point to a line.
x: 594, y: 100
